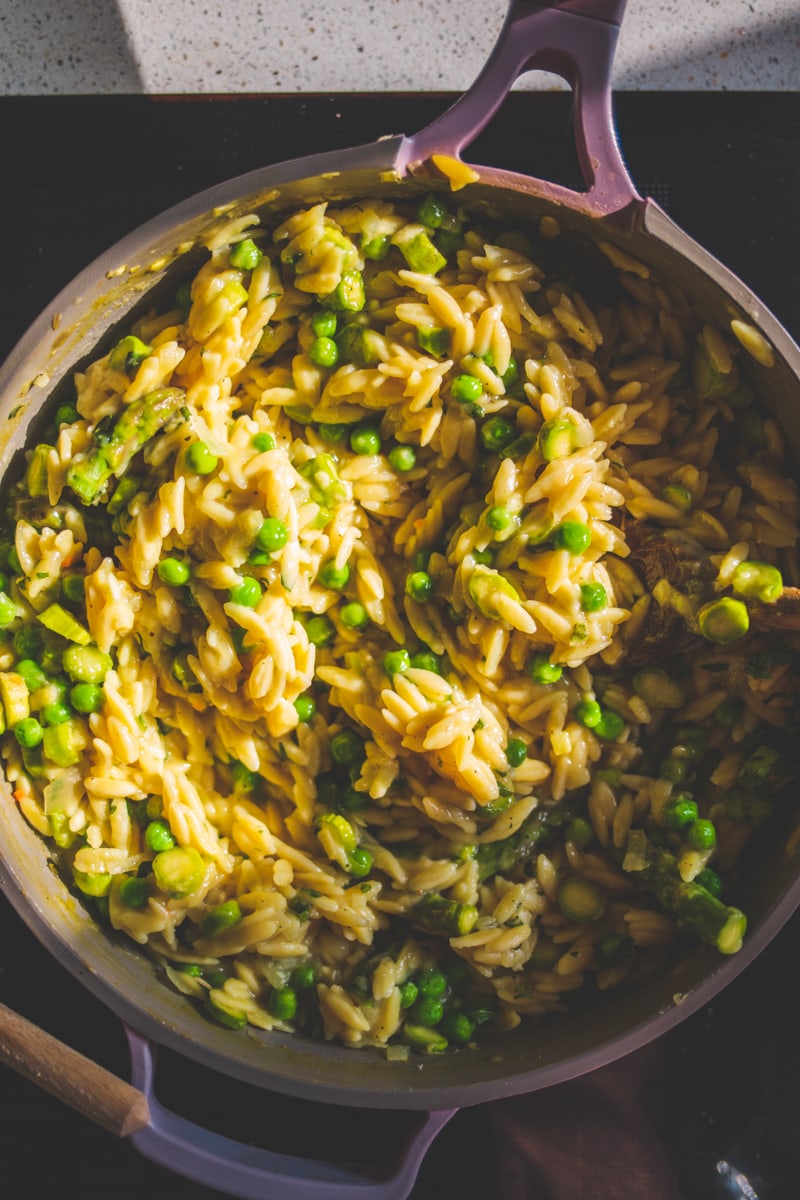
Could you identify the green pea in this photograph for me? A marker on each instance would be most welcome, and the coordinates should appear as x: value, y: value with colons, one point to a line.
x: 353, y: 615
x: 174, y: 571
x: 516, y: 752
x: 449, y: 235
x: 223, y: 916
x: 466, y: 389
x: 333, y: 432
x: 134, y: 892
x: 497, y: 433
x: 154, y: 807
x: 557, y: 439
x: 272, y: 535
x: 499, y: 519
x: 282, y: 1003
x: 324, y: 352
x: 678, y: 496
x: 431, y: 212
x: 402, y: 458
x: 572, y: 536
x: 365, y: 440
x: 86, y: 697
x: 27, y: 642
x: 432, y: 981
x: 396, y: 662
x: 376, y: 249
x: 323, y: 323
x: 304, y: 977
x: 511, y: 374
x: 428, y: 1011
x: 359, y: 862
x: 262, y: 442
x: 305, y: 708
x: 610, y: 725
x: 73, y: 588
x: 245, y: 255
x: 353, y: 801
x: 320, y: 630
x: 588, y: 713
x: 347, y: 748
x: 248, y: 593
x: 158, y: 836
x: 56, y: 713
x: 723, y: 621
x: 680, y: 813
x: 593, y: 597
x: 419, y: 586
x: 201, y: 459
x: 425, y: 661
x: 579, y: 831
x: 758, y: 579
x: 701, y: 835
x: 484, y: 557
x: 28, y: 732
x: 35, y: 678
x: 673, y: 768
x: 244, y: 780
x: 331, y: 576
x: 66, y: 414
x: 541, y: 670
x: 458, y: 1027
x: 215, y: 978
x: 92, y: 883
x: 408, y: 993
x: 192, y: 969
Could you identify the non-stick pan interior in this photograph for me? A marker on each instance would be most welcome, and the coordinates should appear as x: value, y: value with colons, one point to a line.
x: 608, y: 1024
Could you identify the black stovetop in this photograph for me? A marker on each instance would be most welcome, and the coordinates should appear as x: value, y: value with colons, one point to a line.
x: 722, y: 1087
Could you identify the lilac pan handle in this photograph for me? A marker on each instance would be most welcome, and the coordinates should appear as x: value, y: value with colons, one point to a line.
x: 251, y: 1173
x: 575, y: 39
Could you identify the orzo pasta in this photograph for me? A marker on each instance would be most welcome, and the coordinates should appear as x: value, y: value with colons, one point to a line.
x: 333, y: 662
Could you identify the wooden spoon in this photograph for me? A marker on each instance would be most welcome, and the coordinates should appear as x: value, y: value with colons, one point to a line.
x: 71, y: 1077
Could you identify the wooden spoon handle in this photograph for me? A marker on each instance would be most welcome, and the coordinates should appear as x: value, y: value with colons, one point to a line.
x: 70, y: 1076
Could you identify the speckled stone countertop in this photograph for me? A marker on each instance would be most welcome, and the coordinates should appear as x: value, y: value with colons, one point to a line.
x: 82, y: 47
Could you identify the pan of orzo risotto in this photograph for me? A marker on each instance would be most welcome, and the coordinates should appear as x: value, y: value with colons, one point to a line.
x: 399, y: 618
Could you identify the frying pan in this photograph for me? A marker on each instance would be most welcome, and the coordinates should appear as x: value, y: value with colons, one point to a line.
x: 575, y: 39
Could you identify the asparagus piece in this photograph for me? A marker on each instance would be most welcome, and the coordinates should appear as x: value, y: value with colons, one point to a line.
x: 498, y: 858
x: 434, y: 913
x: 717, y: 924
x: 140, y: 422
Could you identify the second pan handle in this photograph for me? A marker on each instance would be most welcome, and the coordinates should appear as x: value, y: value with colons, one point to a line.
x: 575, y: 39
x: 252, y: 1173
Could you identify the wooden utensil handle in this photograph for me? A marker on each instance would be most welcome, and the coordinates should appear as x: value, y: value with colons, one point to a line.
x: 70, y: 1076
